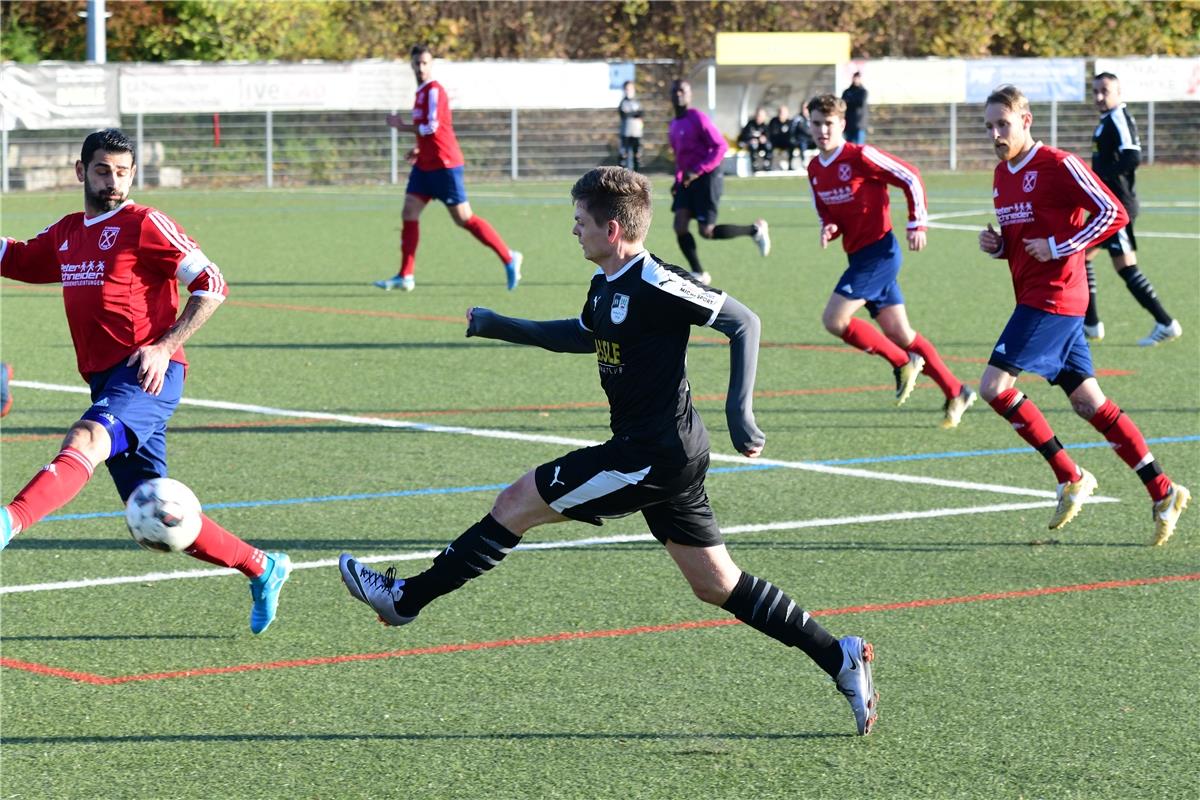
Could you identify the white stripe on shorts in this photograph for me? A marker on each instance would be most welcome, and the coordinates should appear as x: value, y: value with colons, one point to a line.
x: 599, y: 485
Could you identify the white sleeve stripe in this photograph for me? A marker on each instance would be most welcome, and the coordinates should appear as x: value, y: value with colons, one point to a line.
x: 1124, y: 135
x: 904, y: 174
x: 3, y: 246
x: 1099, y: 223
x: 206, y: 293
x: 431, y: 121
x: 182, y: 243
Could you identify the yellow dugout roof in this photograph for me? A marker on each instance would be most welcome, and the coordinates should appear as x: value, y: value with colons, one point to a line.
x: 783, y: 49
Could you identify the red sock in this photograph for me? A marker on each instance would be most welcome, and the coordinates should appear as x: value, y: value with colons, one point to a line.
x: 863, y: 336
x: 934, y: 366
x: 481, y: 230
x: 1130, y: 446
x: 1030, y: 425
x: 218, y: 546
x: 51, y: 489
x: 410, y: 235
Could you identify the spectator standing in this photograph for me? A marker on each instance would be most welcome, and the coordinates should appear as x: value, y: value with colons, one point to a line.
x: 631, y: 128
x: 855, y: 97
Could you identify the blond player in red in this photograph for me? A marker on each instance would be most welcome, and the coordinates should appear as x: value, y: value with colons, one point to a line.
x: 850, y: 190
x: 1051, y: 209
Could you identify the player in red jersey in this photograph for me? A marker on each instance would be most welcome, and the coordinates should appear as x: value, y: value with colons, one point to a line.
x: 437, y: 173
x: 119, y: 264
x: 850, y: 190
x: 1042, y: 196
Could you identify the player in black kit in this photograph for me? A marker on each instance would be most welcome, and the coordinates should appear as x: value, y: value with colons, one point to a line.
x: 1116, y: 153
x: 637, y: 319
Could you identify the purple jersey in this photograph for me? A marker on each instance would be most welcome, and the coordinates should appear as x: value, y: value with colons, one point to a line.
x: 699, y: 147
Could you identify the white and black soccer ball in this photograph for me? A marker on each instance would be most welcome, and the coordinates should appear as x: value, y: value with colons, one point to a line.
x: 163, y: 515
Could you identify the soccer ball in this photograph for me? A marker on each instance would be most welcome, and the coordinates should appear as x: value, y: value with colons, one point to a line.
x: 163, y: 515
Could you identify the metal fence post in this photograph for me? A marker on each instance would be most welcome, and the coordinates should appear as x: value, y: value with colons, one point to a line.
x: 1054, y: 123
x: 513, y: 143
x: 1150, y: 133
x: 270, y: 149
x: 3, y: 151
x: 141, y: 145
x: 395, y: 138
x: 954, y: 137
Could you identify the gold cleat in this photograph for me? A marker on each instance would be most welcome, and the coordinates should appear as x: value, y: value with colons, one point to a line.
x: 1167, y: 511
x: 906, y: 377
x: 1071, y: 497
x: 956, y: 406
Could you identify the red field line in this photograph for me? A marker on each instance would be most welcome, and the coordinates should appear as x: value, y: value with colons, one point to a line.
x: 101, y: 680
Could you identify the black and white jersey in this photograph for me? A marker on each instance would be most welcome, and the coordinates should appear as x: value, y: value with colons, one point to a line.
x: 641, y: 319
x: 1116, y: 153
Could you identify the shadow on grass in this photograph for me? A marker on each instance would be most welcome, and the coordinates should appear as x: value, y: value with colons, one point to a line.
x: 258, y: 738
x: 131, y: 637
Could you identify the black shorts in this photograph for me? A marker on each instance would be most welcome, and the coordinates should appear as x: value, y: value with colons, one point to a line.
x: 701, y: 197
x: 1121, y: 243
x: 613, y: 480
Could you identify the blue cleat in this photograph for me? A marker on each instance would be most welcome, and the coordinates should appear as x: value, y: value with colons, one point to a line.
x: 264, y: 591
x: 6, y: 528
x: 854, y: 680
x: 5, y: 391
x: 513, y: 269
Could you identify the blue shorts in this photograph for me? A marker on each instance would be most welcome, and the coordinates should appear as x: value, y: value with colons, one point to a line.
x: 872, y: 275
x: 1044, y: 344
x: 438, y: 184
x: 117, y: 393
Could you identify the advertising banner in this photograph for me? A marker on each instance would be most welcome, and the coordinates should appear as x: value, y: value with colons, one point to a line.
x: 1146, y: 79
x: 1040, y: 79
x: 58, y: 96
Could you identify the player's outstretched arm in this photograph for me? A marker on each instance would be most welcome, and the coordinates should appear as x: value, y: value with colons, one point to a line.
x: 743, y: 328
x: 558, y: 336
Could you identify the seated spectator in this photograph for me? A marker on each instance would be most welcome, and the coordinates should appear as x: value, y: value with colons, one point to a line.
x: 755, y: 140
x: 783, y: 133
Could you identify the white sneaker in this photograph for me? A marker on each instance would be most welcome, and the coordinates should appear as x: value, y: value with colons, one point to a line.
x: 762, y: 237
x: 1162, y: 333
x: 378, y: 590
x: 855, y: 682
x: 1094, y: 333
x: 406, y: 283
x: 1167, y: 511
x: 1071, y: 497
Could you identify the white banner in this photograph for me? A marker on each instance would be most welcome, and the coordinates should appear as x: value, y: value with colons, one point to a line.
x: 1040, y: 79
x: 361, y: 86
x: 42, y: 97
x: 216, y: 88
x: 1145, y: 79
x: 894, y: 81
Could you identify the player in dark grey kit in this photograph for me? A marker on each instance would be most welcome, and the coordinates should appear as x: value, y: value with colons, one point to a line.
x: 637, y: 319
x: 1116, y: 153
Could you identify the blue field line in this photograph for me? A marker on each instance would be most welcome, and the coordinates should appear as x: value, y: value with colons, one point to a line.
x: 495, y: 487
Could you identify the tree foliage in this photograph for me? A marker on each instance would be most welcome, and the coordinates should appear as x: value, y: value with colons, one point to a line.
x: 289, y: 30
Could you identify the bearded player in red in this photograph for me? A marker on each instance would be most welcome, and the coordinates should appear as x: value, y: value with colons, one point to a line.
x: 437, y: 173
x: 1042, y: 197
x: 850, y: 190
x: 120, y: 265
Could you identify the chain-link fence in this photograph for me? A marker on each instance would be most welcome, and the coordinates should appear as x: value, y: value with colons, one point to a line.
x: 304, y: 149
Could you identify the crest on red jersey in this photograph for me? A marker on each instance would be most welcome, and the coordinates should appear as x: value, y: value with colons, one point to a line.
x: 108, y: 237
x: 844, y: 173
x: 1029, y: 180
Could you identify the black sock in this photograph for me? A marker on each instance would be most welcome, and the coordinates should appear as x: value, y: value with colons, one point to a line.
x: 732, y: 231
x: 687, y: 243
x: 1144, y: 293
x: 473, y: 553
x: 765, y: 608
x: 1092, y: 317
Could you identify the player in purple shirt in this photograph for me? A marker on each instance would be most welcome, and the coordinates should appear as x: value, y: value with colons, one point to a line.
x: 699, y: 152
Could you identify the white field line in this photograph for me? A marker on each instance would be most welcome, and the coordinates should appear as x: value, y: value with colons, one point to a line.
x: 564, y: 544
x: 988, y: 212
x: 848, y: 472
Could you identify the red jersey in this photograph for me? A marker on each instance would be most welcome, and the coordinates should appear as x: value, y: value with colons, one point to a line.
x: 118, y: 273
x: 437, y: 146
x: 850, y: 190
x: 1046, y: 196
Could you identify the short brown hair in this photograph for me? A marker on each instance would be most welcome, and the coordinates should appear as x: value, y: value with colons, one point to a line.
x: 1010, y: 97
x: 829, y: 105
x: 616, y: 193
